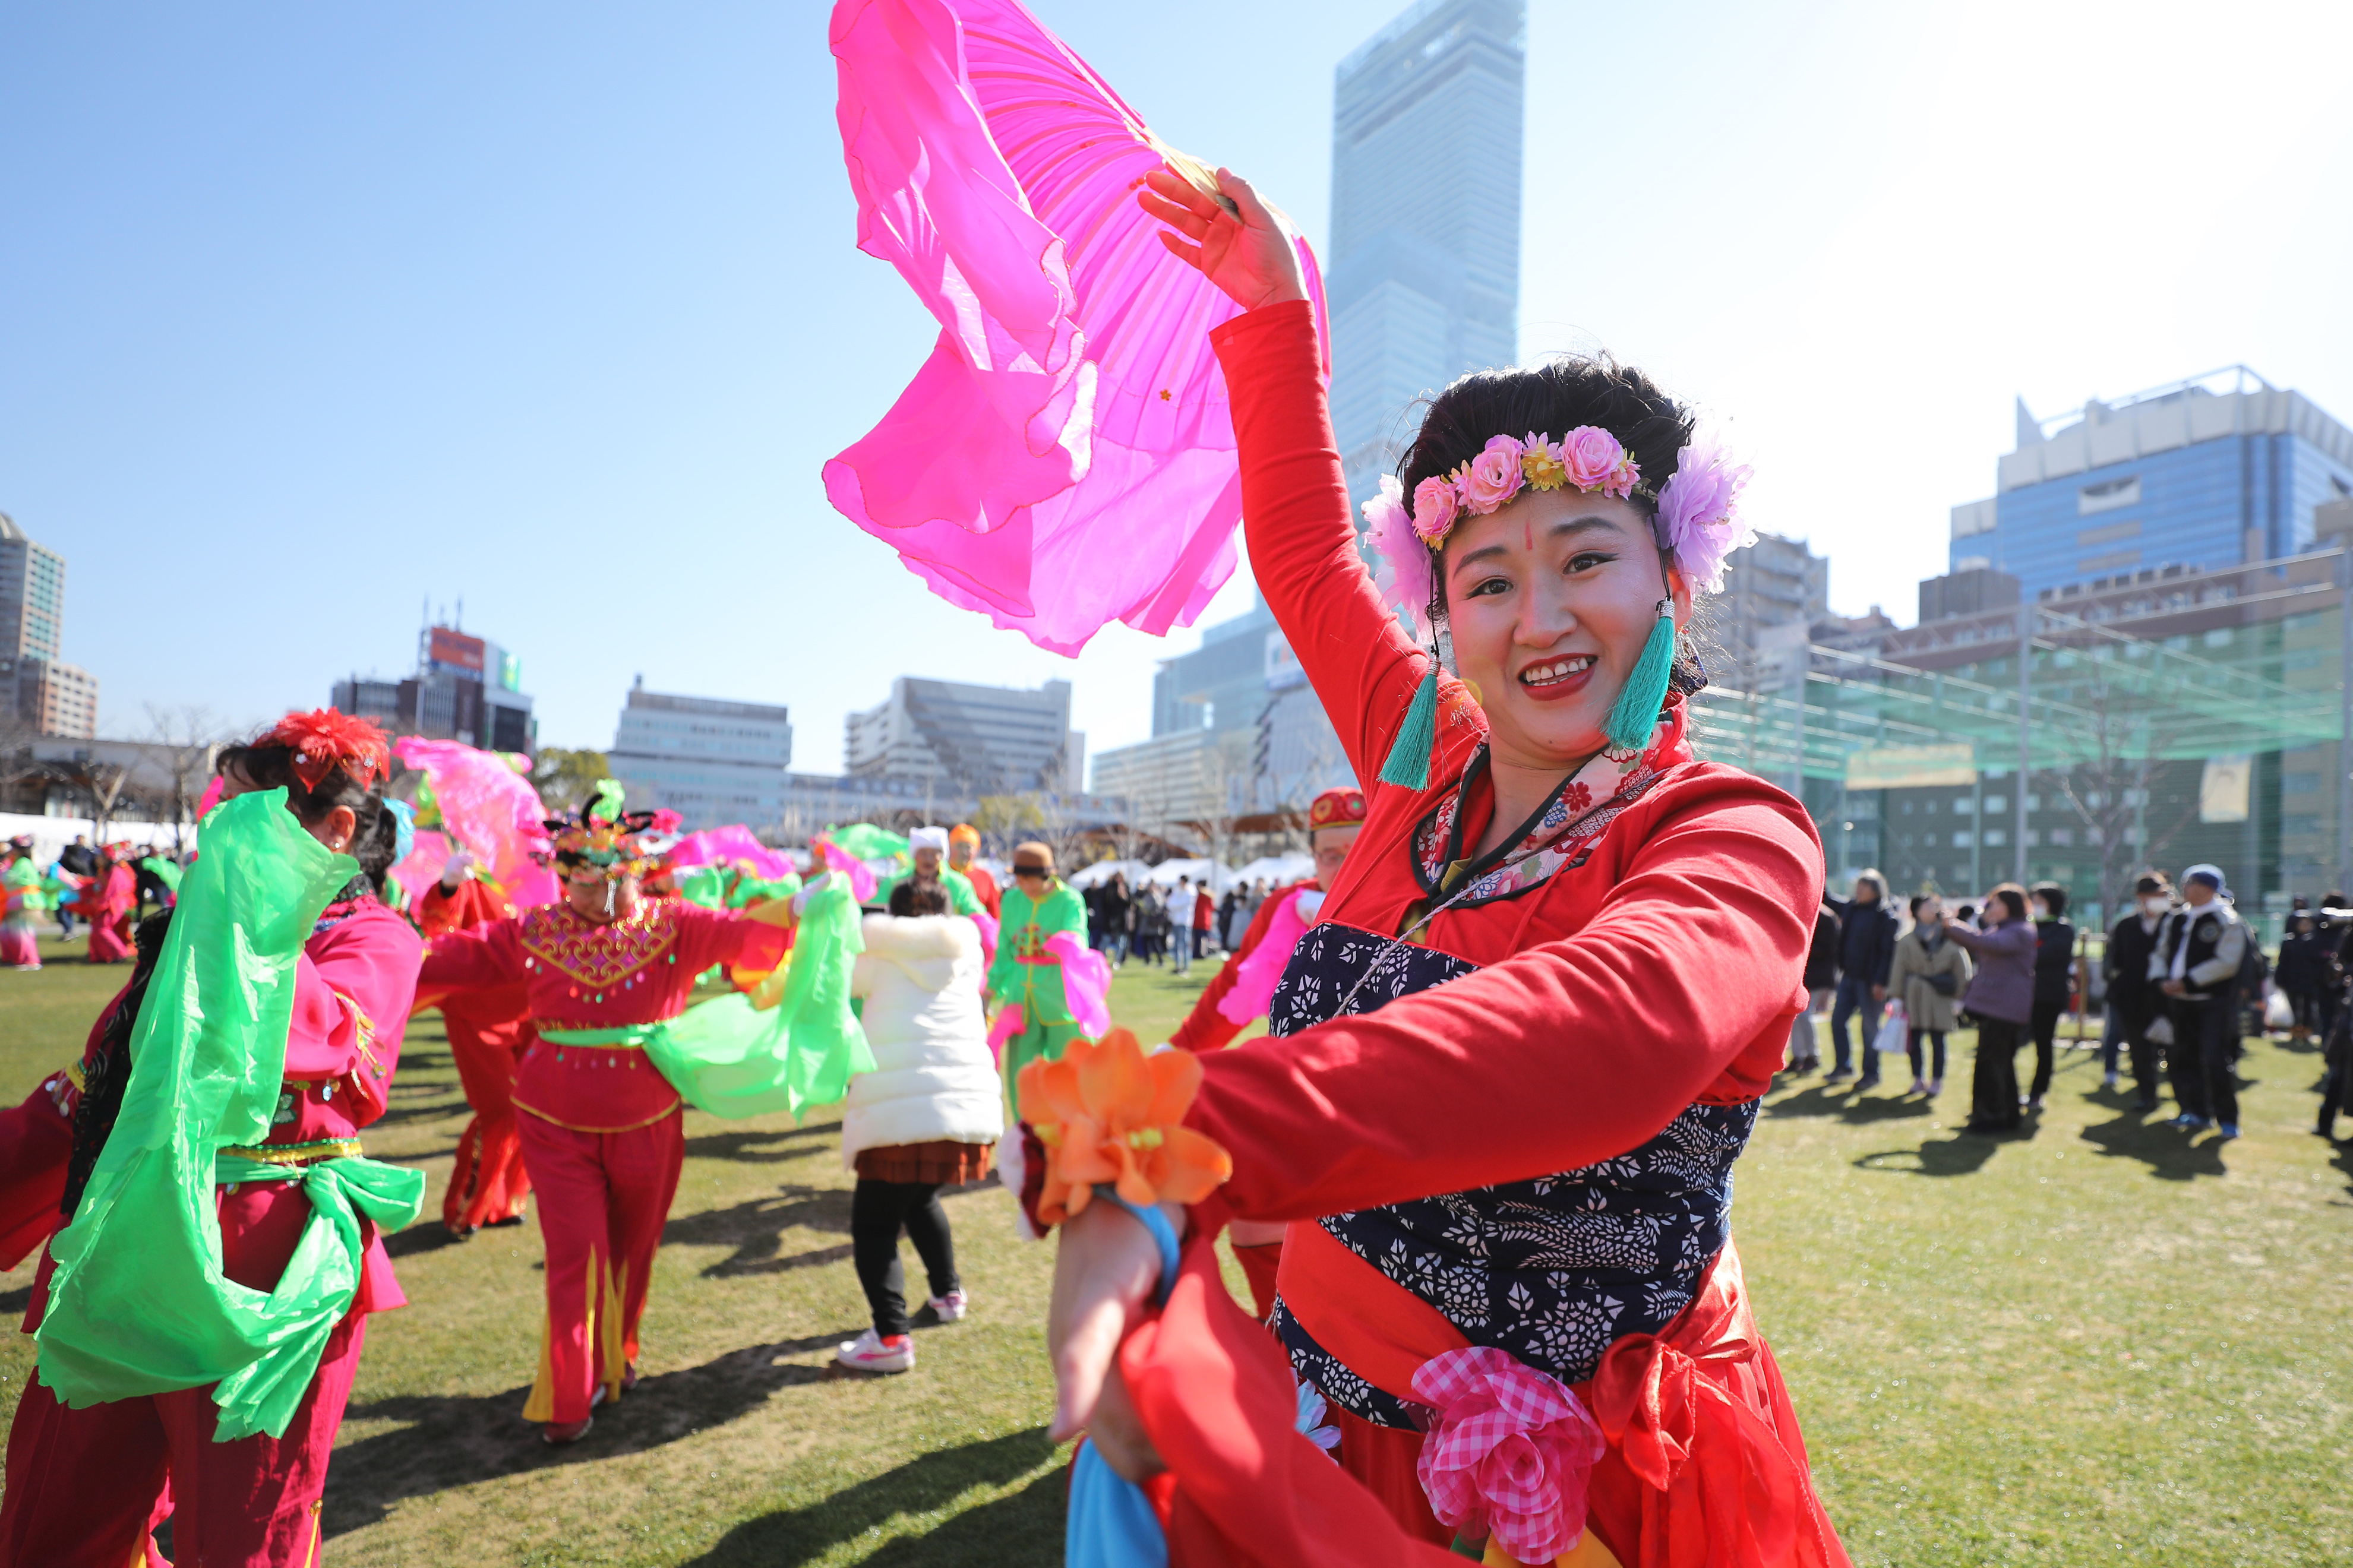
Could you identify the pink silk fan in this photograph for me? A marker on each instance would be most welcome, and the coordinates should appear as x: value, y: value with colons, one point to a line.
x: 1065, y: 457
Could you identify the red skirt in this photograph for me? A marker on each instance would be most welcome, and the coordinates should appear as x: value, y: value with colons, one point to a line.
x: 943, y: 1161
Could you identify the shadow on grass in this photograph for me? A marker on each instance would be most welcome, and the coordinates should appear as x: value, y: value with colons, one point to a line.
x: 1850, y: 1107
x: 446, y: 1441
x: 1963, y: 1155
x: 756, y: 1229
x: 759, y: 1148
x: 1025, y: 1526
x: 2167, y: 1151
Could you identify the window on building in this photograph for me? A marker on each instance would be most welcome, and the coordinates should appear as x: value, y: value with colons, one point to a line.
x: 1995, y: 804
x: 1995, y: 838
x: 1963, y: 840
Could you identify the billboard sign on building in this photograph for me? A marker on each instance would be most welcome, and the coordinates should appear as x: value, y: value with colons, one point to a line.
x: 1912, y: 767
x: 510, y: 672
x: 2223, y: 788
x: 454, y: 648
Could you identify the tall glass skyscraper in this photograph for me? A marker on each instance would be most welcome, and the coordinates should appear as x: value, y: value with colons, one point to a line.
x: 1424, y: 274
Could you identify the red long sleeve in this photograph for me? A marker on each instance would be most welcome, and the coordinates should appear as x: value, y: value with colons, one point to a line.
x: 1302, y: 540
x: 1688, y: 932
x: 352, y: 987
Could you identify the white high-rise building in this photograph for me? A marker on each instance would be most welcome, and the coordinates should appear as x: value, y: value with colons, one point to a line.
x: 969, y: 739
x: 711, y: 761
x: 1424, y: 282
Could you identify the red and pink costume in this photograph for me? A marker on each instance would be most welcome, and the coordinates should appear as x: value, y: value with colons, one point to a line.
x: 1511, y: 1136
x: 601, y: 1129
x: 253, y: 1502
x: 489, y: 1030
x: 107, y: 902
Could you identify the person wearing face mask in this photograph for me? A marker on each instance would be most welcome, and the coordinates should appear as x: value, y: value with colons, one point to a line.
x: 1928, y: 976
x: 2054, y: 982
x: 2001, y: 998
x: 204, y: 1338
x: 2196, y: 967
x: 599, y: 1111
x: 1508, y: 1074
x: 2134, y: 1001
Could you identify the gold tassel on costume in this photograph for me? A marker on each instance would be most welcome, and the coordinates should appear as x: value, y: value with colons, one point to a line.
x: 541, y: 1405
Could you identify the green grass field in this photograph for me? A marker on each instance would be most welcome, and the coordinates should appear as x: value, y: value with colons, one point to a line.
x: 2101, y: 1344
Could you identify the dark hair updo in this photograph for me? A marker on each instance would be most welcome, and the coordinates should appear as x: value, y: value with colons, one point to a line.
x: 1553, y: 399
x: 269, y: 764
x: 911, y: 899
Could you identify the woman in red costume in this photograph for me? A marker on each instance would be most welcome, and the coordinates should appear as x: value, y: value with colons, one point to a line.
x: 1515, y: 1060
x: 254, y: 1502
x: 107, y: 901
x: 1233, y: 998
x: 602, y: 1130
x: 489, y: 1031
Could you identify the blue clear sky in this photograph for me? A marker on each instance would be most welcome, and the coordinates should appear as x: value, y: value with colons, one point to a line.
x: 313, y: 314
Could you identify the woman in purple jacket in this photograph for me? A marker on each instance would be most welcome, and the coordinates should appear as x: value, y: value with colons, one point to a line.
x: 2002, y: 996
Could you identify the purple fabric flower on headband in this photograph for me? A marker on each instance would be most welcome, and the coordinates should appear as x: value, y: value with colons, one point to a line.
x: 1699, y: 511
x: 1404, y: 574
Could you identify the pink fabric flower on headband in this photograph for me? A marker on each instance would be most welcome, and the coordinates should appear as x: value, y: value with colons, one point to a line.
x: 1699, y: 511
x: 1403, y: 574
x: 1493, y: 478
x: 1596, y: 461
x: 1435, y: 505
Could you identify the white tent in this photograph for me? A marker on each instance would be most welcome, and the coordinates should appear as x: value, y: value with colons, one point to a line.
x: 1278, y: 869
x: 1102, y: 871
x: 1165, y: 874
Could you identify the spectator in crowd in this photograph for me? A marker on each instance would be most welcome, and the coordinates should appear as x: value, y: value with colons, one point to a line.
x: 924, y: 1118
x: 1928, y: 976
x: 2196, y: 965
x: 1822, y: 984
x: 2054, y: 982
x: 1205, y: 913
x: 1866, y: 948
x: 1228, y: 909
x: 1149, y: 926
x: 81, y: 861
x: 2134, y: 1001
x: 1118, y: 917
x: 1178, y: 907
x: 2001, y: 998
x: 2304, y: 961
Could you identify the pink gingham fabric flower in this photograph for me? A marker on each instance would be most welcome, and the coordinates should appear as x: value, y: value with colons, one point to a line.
x: 1494, y: 477
x: 1508, y: 1453
x: 1699, y: 511
x: 1435, y: 505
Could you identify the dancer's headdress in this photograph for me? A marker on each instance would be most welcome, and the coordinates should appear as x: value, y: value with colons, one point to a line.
x: 1695, y: 518
x: 324, y: 739
x: 1336, y: 808
x: 602, y: 835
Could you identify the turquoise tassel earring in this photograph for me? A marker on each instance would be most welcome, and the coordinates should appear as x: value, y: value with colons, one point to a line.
x: 1636, y: 713
x: 1408, y: 759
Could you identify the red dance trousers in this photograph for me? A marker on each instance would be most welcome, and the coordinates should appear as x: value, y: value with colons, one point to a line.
x: 87, y: 1487
x: 603, y: 1198
x: 488, y: 1182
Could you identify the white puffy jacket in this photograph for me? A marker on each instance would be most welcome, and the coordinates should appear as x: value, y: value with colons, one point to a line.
x: 933, y: 1075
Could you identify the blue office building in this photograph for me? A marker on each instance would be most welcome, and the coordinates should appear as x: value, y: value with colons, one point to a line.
x: 2209, y: 472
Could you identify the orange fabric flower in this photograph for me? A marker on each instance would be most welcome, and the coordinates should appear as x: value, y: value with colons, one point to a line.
x: 1107, y: 1112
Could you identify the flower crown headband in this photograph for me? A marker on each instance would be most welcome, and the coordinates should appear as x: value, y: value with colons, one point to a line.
x: 1695, y: 520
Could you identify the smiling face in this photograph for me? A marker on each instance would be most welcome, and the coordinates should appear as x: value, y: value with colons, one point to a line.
x: 1550, y: 600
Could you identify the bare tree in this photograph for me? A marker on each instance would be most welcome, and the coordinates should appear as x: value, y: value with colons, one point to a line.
x: 2117, y: 747
x: 103, y: 782
x: 17, y: 762
x: 186, y: 740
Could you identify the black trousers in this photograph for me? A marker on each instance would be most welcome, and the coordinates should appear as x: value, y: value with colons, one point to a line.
x: 2136, y: 1011
x: 1993, y: 1089
x: 2205, y: 1042
x: 878, y: 1212
x: 2046, y: 1044
x: 2334, y: 1095
x: 1937, y: 1038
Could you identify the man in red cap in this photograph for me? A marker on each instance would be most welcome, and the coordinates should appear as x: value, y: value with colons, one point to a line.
x: 1334, y: 820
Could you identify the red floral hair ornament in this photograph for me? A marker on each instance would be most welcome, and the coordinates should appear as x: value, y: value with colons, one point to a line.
x: 324, y: 739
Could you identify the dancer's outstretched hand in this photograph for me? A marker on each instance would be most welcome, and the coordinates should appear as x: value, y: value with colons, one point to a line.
x: 1248, y: 257
x: 1104, y: 1268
